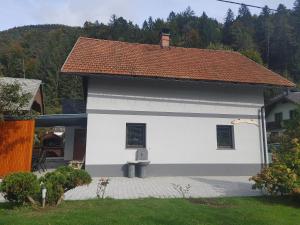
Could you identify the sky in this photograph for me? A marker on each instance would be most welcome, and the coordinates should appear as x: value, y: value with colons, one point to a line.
x: 75, y: 12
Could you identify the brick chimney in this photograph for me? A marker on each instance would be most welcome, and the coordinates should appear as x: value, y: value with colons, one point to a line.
x: 164, y: 40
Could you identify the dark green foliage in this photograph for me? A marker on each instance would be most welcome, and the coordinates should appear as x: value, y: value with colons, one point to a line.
x: 74, y: 177
x: 19, y: 187
x: 39, y: 52
x: 62, y: 180
x: 54, y: 183
x: 13, y: 99
x: 25, y: 187
x: 227, y: 34
x: 218, y: 46
x: 253, y: 55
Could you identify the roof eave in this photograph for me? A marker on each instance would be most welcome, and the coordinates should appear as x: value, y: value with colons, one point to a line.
x: 265, y: 85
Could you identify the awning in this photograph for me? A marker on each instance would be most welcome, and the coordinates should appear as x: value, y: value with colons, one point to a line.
x: 61, y: 120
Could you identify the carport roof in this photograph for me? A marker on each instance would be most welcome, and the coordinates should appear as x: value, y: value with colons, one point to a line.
x: 61, y: 120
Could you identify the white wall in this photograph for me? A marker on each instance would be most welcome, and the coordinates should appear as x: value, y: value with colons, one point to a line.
x: 187, y: 135
x: 283, y: 108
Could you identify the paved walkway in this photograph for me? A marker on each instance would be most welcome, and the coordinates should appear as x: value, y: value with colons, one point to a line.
x: 163, y: 187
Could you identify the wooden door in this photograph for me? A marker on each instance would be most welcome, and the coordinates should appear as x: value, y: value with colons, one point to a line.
x: 79, y: 144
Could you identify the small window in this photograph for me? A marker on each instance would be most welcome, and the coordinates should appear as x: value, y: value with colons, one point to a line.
x: 278, y: 118
x: 225, y: 137
x: 292, y: 114
x: 135, y: 135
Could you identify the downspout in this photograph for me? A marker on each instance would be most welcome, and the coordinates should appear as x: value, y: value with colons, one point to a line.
x: 264, y: 136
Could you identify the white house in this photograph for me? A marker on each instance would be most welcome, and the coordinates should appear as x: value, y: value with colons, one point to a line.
x: 279, y: 109
x: 196, y: 111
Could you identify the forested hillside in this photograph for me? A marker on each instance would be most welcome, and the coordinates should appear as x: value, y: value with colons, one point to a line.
x: 271, y: 38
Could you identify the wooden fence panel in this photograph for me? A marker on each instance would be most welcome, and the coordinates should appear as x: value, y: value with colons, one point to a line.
x: 16, y: 142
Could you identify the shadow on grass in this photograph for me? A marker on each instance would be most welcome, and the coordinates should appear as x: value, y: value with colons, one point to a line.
x: 211, y: 202
x: 9, y: 205
x: 289, y: 201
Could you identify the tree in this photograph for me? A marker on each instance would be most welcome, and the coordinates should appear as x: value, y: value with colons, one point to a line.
x: 244, y: 12
x: 245, y: 17
x: 188, y: 12
x: 296, y: 26
x: 219, y: 46
x: 253, y: 55
x: 241, y: 38
x: 12, y: 99
x: 227, y: 35
x: 264, y: 31
x: 1, y: 70
x: 283, y: 44
x: 297, y: 16
x: 171, y: 16
x: 209, y: 30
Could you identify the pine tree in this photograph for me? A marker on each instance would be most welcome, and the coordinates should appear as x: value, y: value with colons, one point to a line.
x: 227, y: 35
x: 283, y: 44
x: 244, y: 14
x: 264, y: 31
x: 296, y: 26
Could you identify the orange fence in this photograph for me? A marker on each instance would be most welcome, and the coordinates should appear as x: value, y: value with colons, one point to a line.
x: 16, y: 142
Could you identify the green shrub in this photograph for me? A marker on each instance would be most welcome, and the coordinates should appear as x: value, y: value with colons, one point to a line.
x: 62, y: 180
x: 74, y: 177
x: 20, y: 187
x: 253, y: 55
x: 25, y: 187
x: 283, y: 175
x: 54, y: 183
x: 276, y: 179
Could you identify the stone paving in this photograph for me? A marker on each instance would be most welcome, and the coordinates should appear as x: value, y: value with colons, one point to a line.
x: 163, y: 187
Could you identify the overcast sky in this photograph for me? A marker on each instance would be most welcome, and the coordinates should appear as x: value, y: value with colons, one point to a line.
x: 75, y: 12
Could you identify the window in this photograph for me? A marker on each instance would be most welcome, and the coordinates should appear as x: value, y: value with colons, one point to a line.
x: 225, y: 138
x: 135, y: 135
x: 292, y: 114
x: 278, y: 118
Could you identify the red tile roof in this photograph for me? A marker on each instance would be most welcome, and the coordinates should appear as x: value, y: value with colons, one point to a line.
x: 94, y: 56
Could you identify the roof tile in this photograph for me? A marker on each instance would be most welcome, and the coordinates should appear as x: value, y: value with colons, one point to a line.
x: 95, y: 56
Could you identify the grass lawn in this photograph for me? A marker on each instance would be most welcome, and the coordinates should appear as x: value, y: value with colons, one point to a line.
x: 220, y: 211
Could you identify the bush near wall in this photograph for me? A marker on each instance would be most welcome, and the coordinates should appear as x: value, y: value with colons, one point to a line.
x: 62, y: 180
x: 282, y: 177
x: 24, y: 187
x: 20, y: 187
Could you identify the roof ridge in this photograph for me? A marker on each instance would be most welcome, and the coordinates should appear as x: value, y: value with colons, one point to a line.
x: 173, y: 46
